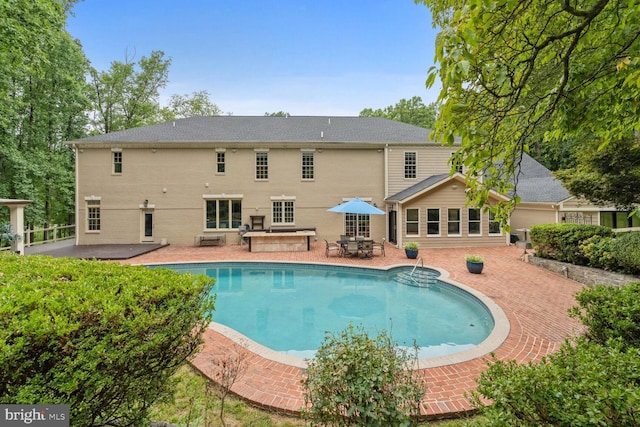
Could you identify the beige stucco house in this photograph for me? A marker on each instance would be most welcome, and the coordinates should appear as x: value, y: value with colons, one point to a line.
x: 200, y: 176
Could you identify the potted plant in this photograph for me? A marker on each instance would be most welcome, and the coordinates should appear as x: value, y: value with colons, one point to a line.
x: 475, y: 263
x: 411, y: 249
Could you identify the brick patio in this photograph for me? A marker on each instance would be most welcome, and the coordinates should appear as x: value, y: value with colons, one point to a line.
x: 534, y: 300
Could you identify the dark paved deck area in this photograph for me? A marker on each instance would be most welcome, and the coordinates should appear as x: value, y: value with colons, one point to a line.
x: 67, y: 249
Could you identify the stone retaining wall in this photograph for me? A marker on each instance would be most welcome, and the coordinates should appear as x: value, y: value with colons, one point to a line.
x: 585, y: 275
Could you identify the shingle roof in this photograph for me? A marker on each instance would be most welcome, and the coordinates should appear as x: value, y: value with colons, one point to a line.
x: 271, y: 129
x: 417, y: 188
x: 536, y: 184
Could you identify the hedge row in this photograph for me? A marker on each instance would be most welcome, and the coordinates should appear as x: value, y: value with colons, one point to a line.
x: 589, y: 245
x: 103, y: 338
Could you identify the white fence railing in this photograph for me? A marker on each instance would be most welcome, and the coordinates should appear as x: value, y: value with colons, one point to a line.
x: 39, y: 236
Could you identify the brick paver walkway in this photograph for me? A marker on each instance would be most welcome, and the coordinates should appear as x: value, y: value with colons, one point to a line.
x: 535, y: 301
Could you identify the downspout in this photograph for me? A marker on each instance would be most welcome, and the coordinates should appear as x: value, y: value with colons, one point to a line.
x: 77, y: 195
x: 386, y: 189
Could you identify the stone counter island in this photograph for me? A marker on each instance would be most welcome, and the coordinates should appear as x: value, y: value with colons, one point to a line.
x: 280, y: 240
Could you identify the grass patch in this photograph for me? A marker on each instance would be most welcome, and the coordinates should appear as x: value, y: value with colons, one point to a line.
x: 196, y: 404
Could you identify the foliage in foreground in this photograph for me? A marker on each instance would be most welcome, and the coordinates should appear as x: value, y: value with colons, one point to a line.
x: 584, y: 384
x: 592, y: 380
x: 358, y: 380
x: 101, y: 337
x: 514, y: 74
x: 610, y: 313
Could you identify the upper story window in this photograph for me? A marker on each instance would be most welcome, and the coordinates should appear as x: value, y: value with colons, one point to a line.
x: 93, y: 214
x: 456, y: 162
x: 117, y: 161
x: 475, y: 223
x: 412, y: 224
x: 453, y: 222
x: 433, y: 222
x: 308, y: 165
x: 410, y: 164
x: 282, y: 211
x: 220, y: 162
x: 262, y: 165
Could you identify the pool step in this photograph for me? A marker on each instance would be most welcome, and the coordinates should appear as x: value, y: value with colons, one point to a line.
x: 419, y: 278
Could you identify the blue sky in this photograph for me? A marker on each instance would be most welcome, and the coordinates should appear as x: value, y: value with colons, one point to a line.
x: 322, y: 57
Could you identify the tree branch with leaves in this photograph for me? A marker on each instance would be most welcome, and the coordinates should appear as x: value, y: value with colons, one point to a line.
x: 517, y: 73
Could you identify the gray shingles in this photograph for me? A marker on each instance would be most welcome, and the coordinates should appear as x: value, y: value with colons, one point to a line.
x: 271, y: 129
x: 417, y: 188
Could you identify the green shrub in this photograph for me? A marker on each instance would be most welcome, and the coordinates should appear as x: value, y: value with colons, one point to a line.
x: 626, y: 251
x: 610, y: 312
x: 583, y: 384
x: 562, y: 241
x: 103, y: 338
x: 592, y: 380
x: 358, y: 380
x: 599, y: 252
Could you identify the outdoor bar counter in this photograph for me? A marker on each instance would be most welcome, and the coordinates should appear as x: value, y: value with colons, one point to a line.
x: 290, y: 240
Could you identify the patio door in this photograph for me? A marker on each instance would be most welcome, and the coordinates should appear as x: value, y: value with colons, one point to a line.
x: 393, y: 227
x: 146, y: 232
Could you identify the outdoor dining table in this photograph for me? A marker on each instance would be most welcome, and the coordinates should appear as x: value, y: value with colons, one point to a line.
x: 343, y: 244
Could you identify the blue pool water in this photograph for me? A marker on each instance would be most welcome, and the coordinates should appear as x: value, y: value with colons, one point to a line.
x: 290, y: 307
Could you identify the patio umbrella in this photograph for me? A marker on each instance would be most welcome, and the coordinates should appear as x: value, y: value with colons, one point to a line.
x: 357, y: 206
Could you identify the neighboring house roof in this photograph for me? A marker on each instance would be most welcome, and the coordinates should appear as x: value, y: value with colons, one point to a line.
x: 536, y: 184
x: 270, y: 129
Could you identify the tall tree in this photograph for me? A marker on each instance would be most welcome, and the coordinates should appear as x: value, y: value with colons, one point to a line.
x: 412, y: 111
x: 607, y: 176
x: 517, y: 71
x: 127, y: 95
x: 42, y: 104
x: 197, y: 104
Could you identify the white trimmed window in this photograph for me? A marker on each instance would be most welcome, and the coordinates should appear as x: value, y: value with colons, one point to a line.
x: 453, y: 222
x: 308, y: 166
x: 223, y: 214
x: 412, y: 222
x: 410, y: 165
x: 494, y: 225
x: 456, y: 162
x: 262, y: 165
x: 357, y: 225
x: 475, y: 222
x: 433, y: 222
x: 283, y: 210
x: 220, y: 162
x: 93, y: 214
x: 116, y: 154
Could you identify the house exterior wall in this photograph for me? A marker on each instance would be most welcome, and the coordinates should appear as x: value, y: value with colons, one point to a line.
x: 431, y: 160
x: 450, y: 195
x: 176, y: 181
x: 527, y: 215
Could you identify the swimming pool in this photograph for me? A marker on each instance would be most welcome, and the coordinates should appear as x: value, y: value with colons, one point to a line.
x: 289, y: 307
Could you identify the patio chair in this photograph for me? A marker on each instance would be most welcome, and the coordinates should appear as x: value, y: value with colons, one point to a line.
x: 379, y: 246
x: 332, y: 247
x: 367, y: 248
x: 352, y: 248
